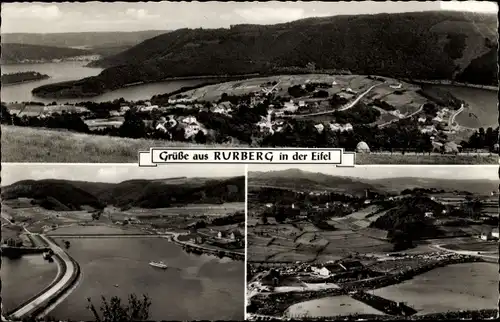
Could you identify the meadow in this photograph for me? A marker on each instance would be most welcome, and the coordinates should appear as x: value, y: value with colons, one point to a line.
x: 60, y: 146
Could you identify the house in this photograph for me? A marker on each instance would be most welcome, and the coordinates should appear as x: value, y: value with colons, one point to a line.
x: 422, y: 119
x: 236, y: 235
x: 302, y: 104
x: 323, y: 271
x: 494, y: 233
x: 486, y: 234
x: 319, y: 127
x: 350, y: 265
x: 429, y: 214
x: 219, y: 235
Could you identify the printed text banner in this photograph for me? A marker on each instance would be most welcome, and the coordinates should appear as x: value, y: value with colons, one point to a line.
x: 337, y: 157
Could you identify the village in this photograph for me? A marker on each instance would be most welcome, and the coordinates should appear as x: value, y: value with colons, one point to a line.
x: 262, y: 111
x: 327, y: 252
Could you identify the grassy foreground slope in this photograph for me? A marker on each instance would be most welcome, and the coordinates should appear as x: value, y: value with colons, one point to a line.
x: 422, y: 45
x: 23, y: 144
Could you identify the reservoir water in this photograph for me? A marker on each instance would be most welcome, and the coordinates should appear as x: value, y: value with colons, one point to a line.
x: 24, y: 277
x: 66, y: 71
x: 482, y: 102
x: 193, y: 287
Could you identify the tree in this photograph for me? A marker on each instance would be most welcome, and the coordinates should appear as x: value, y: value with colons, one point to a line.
x: 5, y: 115
x: 400, y: 239
x: 133, y: 126
x: 200, y: 137
x: 114, y: 311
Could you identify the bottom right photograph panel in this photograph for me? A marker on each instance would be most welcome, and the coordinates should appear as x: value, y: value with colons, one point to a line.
x: 376, y: 242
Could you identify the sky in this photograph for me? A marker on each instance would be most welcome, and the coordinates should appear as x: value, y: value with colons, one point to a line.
x: 113, y: 173
x: 466, y: 172
x: 39, y: 17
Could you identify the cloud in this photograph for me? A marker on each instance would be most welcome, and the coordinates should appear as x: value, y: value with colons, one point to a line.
x: 260, y: 15
x: 12, y: 11
x: 139, y: 14
x: 471, y: 6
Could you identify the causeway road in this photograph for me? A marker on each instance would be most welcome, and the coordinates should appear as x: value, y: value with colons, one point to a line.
x: 65, y: 276
x: 484, y: 255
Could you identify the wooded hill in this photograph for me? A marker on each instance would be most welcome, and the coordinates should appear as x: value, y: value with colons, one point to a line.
x: 72, y: 195
x: 419, y: 45
x: 17, y: 53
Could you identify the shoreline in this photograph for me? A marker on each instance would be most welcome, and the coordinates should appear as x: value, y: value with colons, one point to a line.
x: 26, y: 81
x: 451, y: 83
x: 221, y: 79
x: 204, y: 249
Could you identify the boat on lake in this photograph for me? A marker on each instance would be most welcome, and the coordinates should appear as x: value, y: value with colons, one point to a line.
x: 159, y: 264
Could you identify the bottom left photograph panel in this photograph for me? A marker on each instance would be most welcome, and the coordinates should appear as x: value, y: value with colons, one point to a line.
x: 90, y: 241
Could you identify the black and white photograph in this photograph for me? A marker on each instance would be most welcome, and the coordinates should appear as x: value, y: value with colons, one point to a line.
x: 93, y: 242
x: 372, y: 242
x: 397, y: 82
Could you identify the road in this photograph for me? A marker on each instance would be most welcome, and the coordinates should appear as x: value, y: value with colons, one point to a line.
x: 66, y: 270
x: 406, y: 117
x: 344, y: 108
x: 175, y: 238
x: 486, y: 255
x: 451, y: 120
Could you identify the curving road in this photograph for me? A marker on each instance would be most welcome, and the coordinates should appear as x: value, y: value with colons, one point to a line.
x: 65, y: 275
x: 406, y: 117
x: 451, y: 120
x: 344, y: 108
x: 486, y: 255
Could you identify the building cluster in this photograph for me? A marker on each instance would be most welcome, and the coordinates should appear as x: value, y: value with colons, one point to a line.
x: 490, y: 234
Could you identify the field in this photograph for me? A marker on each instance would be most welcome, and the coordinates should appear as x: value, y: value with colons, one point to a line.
x: 286, y: 243
x: 470, y: 286
x: 93, y: 229
x: 193, y: 210
x: 329, y: 306
x: 35, y: 110
x: 109, y: 122
x: 60, y: 146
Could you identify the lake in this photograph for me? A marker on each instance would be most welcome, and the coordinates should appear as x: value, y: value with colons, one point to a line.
x: 72, y: 70
x: 192, y: 288
x: 329, y: 306
x: 24, y: 277
x: 468, y: 286
x: 483, y: 105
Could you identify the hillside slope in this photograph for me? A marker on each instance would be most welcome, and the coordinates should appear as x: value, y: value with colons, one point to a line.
x: 424, y: 45
x: 17, y: 53
x: 132, y: 193
x: 304, y: 180
x: 298, y: 179
x: 95, y: 41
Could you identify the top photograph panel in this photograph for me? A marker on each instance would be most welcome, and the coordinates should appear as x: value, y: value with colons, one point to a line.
x: 397, y: 82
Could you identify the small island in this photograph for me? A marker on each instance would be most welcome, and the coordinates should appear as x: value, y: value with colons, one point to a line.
x: 22, y: 77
